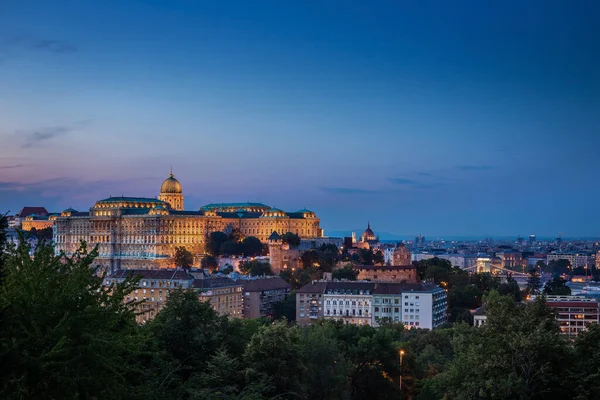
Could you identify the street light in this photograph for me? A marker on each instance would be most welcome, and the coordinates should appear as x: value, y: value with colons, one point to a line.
x: 401, y: 352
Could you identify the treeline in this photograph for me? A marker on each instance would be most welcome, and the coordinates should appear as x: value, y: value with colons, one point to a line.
x: 64, y: 335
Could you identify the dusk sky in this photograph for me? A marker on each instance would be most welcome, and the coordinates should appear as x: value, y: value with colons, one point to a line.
x: 433, y: 117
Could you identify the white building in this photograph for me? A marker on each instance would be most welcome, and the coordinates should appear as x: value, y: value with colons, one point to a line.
x: 457, y: 260
x: 416, y: 305
x: 349, y: 301
x: 576, y: 259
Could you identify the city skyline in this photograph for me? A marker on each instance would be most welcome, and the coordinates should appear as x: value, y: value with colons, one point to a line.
x: 438, y: 119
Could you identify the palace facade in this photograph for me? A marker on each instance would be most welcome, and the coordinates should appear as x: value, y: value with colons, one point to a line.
x: 138, y: 232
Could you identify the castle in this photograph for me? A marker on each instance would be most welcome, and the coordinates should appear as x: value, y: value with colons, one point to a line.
x: 138, y: 232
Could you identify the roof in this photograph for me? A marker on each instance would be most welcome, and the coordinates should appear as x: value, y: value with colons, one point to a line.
x: 480, y: 311
x: 237, y: 214
x: 217, y: 282
x: 373, y: 287
x: 132, y: 199
x: 213, y: 206
x: 313, y: 287
x: 167, y: 273
x: 257, y: 285
x: 27, y: 211
x: 275, y: 236
x: 384, y: 267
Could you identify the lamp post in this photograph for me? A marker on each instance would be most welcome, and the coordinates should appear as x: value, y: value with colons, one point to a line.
x: 401, y: 352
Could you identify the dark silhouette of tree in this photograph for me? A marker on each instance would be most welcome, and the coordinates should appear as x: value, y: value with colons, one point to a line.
x: 215, y: 240
x: 251, y: 247
x: 557, y: 286
x: 183, y: 258
x: 533, y: 283
x: 210, y: 263
x: 292, y: 239
x: 346, y: 272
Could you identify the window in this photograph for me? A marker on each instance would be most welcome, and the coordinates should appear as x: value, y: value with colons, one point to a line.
x: 376, y: 309
x: 396, y: 309
x: 396, y: 301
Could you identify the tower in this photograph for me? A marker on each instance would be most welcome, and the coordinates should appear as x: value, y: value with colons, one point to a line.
x: 171, y: 192
x: 401, y: 256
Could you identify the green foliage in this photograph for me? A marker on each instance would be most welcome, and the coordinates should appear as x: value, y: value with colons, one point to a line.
x: 559, y: 267
x: 3, y: 243
x: 517, y: 354
x: 292, y: 239
x: 346, y: 272
x: 252, y: 247
x: 533, y: 283
x: 41, y: 234
x: 183, y: 257
x: 286, y: 309
x: 510, y: 288
x: 214, y: 243
x: 210, y: 263
x: 62, y: 333
x: 366, y: 256
x: 255, y: 268
x: 557, y: 286
x: 274, y: 358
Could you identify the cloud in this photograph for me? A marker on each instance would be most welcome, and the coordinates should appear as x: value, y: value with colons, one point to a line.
x: 342, y: 190
x: 424, y: 174
x: 403, y: 181
x: 15, y: 166
x: 475, y: 167
x: 36, y: 137
x: 37, y: 44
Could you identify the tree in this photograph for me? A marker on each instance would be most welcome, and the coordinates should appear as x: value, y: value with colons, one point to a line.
x: 510, y: 288
x: 327, y: 369
x: 286, y: 309
x: 215, y: 240
x: 292, y: 239
x: 557, y: 286
x: 559, y: 267
x: 183, y: 257
x: 255, y: 268
x: 517, y: 354
x: 230, y: 248
x: 346, y: 272
x: 252, y: 247
x: 310, y: 258
x: 210, y: 263
x: 366, y: 256
x: 189, y: 330
x: 586, y: 364
x: 62, y: 333
x: 378, y: 258
x: 328, y: 256
x: 3, y: 244
x: 274, y: 357
x: 236, y: 235
x: 533, y: 283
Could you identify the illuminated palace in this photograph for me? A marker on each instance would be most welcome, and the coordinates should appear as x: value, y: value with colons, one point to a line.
x: 137, y: 232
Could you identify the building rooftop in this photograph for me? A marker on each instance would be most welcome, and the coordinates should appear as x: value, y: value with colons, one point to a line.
x: 27, y: 211
x: 170, y: 274
x: 214, y: 282
x: 256, y: 285
x: 216, y: 206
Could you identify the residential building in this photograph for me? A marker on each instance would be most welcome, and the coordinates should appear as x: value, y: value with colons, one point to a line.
x: 225, y: 295
x: 479, y: 316
x: 574, y: 314
x: 309, y: 302
x: 416, y: 305
x: 153, y: 289
x: 349, y: 301
x: 262, y: 294
x: 576, y: 259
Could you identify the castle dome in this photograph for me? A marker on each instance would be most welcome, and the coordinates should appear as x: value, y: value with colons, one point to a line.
x: 171, y: 185
x: 368, y: 235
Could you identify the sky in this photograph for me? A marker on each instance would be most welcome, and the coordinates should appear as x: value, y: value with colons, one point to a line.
x: 433, y: 117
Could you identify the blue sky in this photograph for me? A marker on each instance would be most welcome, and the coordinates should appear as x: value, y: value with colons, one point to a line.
x: 433, y: 117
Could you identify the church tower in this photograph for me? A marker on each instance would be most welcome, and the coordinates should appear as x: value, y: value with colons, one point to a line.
x: 171, y: 192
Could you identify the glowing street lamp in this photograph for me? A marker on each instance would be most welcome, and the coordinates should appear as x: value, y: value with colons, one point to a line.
x: 401, y: 352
